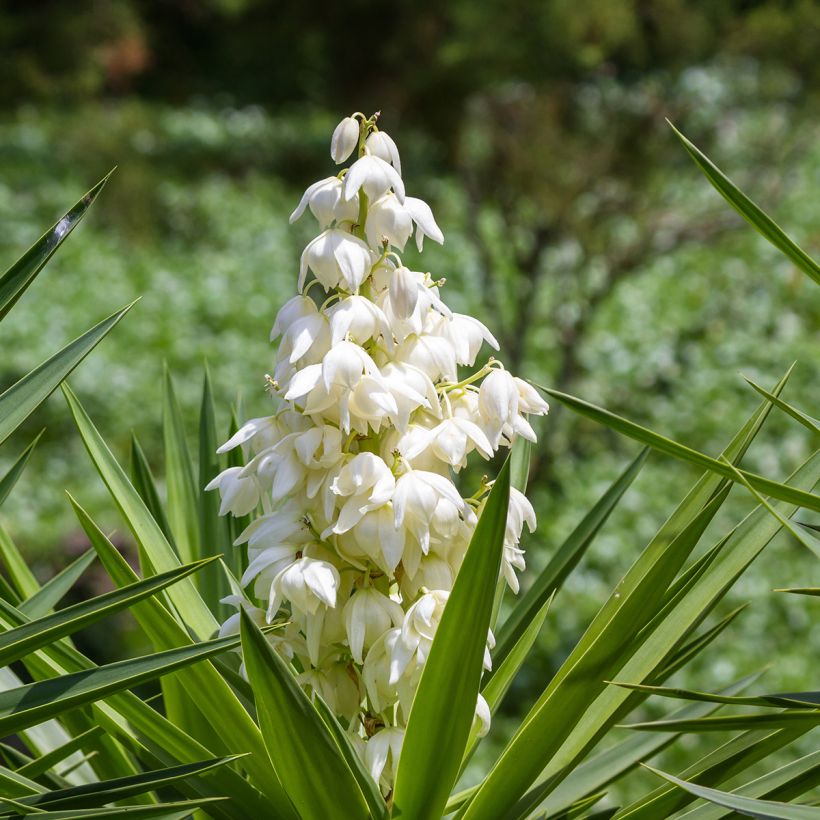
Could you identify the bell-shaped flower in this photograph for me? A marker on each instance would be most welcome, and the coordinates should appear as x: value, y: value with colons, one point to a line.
x: 519, y: 512
x: 344, y: 140
x: 388, y: 219
x: 512, y: 559
x: 284, y: 524
x: 381, y: 144
x: 337, y: 688
x: 376, y: 670
x: 359, y: 318
x: 432, y: 572
x: 382, y: 756
x: 416, y: 502
x: 483, y: 716
x: 417, y: 632
x: 451, y: 441
x: 466, y: 335
x: 324, y: 198
x: 375, y: 176
x: 336, y: 257
x: 370, y: 404
x: 307, y: 583
x: 529, y: 400
x: 264, y: 565
x: 433, y: 355
x: 345, y: 364
x: 369, y: 614
x: 411, y: 388
x: 307, y: 335
x: 366, y: 483
x: 297, y: 307
x: 239, y: 494
x: 426, y: 225
x: 377, y: 537
x: 260, y: 433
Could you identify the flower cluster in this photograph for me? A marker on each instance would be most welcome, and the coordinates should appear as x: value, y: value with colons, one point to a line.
x: 362, y: 529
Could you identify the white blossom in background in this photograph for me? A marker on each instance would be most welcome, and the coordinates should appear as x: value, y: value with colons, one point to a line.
x: 361, y: 529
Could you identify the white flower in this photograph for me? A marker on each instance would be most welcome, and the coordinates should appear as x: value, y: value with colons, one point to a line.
x: 432, y: 355
x: 239, y: 495
x: 420, y: 497
x: 417, y: 632
x: 325, y: 201
x: 262, y: 432
x: 451, y: 441
x: 388, y: 219
x: 466, y: 335
x: 382, y: 755
x: 529, y: 400
x: 307, y: 583
x: 334, y: 684
x: 297, y: 307
x: 426, y: 225
x: 375, y: 175
x: 483, y: 716
x: 368, y: 615
x: 344, y: 140
x: 335, y: 257
x: 381, y: 144
x: 366, y: 483
x: 376, y: 670
x: 360, y: 318
x: 498, y: 397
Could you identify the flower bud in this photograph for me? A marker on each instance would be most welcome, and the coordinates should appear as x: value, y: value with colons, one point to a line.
x: 344, y: 140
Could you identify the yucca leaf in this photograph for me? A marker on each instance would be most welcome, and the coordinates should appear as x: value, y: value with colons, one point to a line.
x: 183, y: 515
x: 781, y: 700
x: 586, y: 707
x: 92, y: 795
x: 25, y: 584
x: 368, y: 786
x: 613, y: 763
x: 35, y: 702
x: 722, y: 723
x: 564, y: 560
x: 23, y: 397
x: 42, y: 764
x: 749, y: 806
x: 783, y: 492
x: 813, y: 591
x: 54, y: 590
x: 163, y: 811
x: 762, y: 223
x: 807, y: 421
x: 14, y: 472
x: 214, y: 535
x: 148, y: 533
x: 444, y: 704
x: 308, y: 762
x: 145, y: 732
x: 13, y: 784
x: 16, y: 643
x: 21, y: 274
x: 213, y: 697
x: 143, y: 480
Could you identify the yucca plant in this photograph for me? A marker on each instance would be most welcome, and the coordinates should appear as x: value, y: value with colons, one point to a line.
x: 265, y: 739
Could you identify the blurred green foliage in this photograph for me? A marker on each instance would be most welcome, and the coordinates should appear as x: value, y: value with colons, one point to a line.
x: 576, y: 228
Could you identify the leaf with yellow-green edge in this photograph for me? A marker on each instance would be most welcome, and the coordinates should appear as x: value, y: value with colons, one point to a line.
x: 564, y: 560
x: 748, y: 806
x: 744, y: 722
x: 14, y: 472
x: 23, y: 397
x: 176, y: 810
x: 144, y: 483
x: 782, y: 492
x: 13, y: 784
x: 16, y: 643
x: 760, y: 221
x: 813, y: 591
x: 190, y: 606
x: 54, y: 590
x: 443, y: 708
x: 147, y: 734
x: 307, y: 760
x: 219, y: 706
x: 214, y: 535
x: 92, y: 795
x: 801, y: 534
x: 183, y: 514
x: 798, y: 415
x: 22, y: 273
x: 41, y: 765
x: 33, y: 703
x: 370, y: 791
x: 22, y: 578
x: 555, y: 735
x: 780, y: 700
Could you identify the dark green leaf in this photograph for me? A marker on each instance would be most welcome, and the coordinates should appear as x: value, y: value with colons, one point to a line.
x: 53, y: 591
